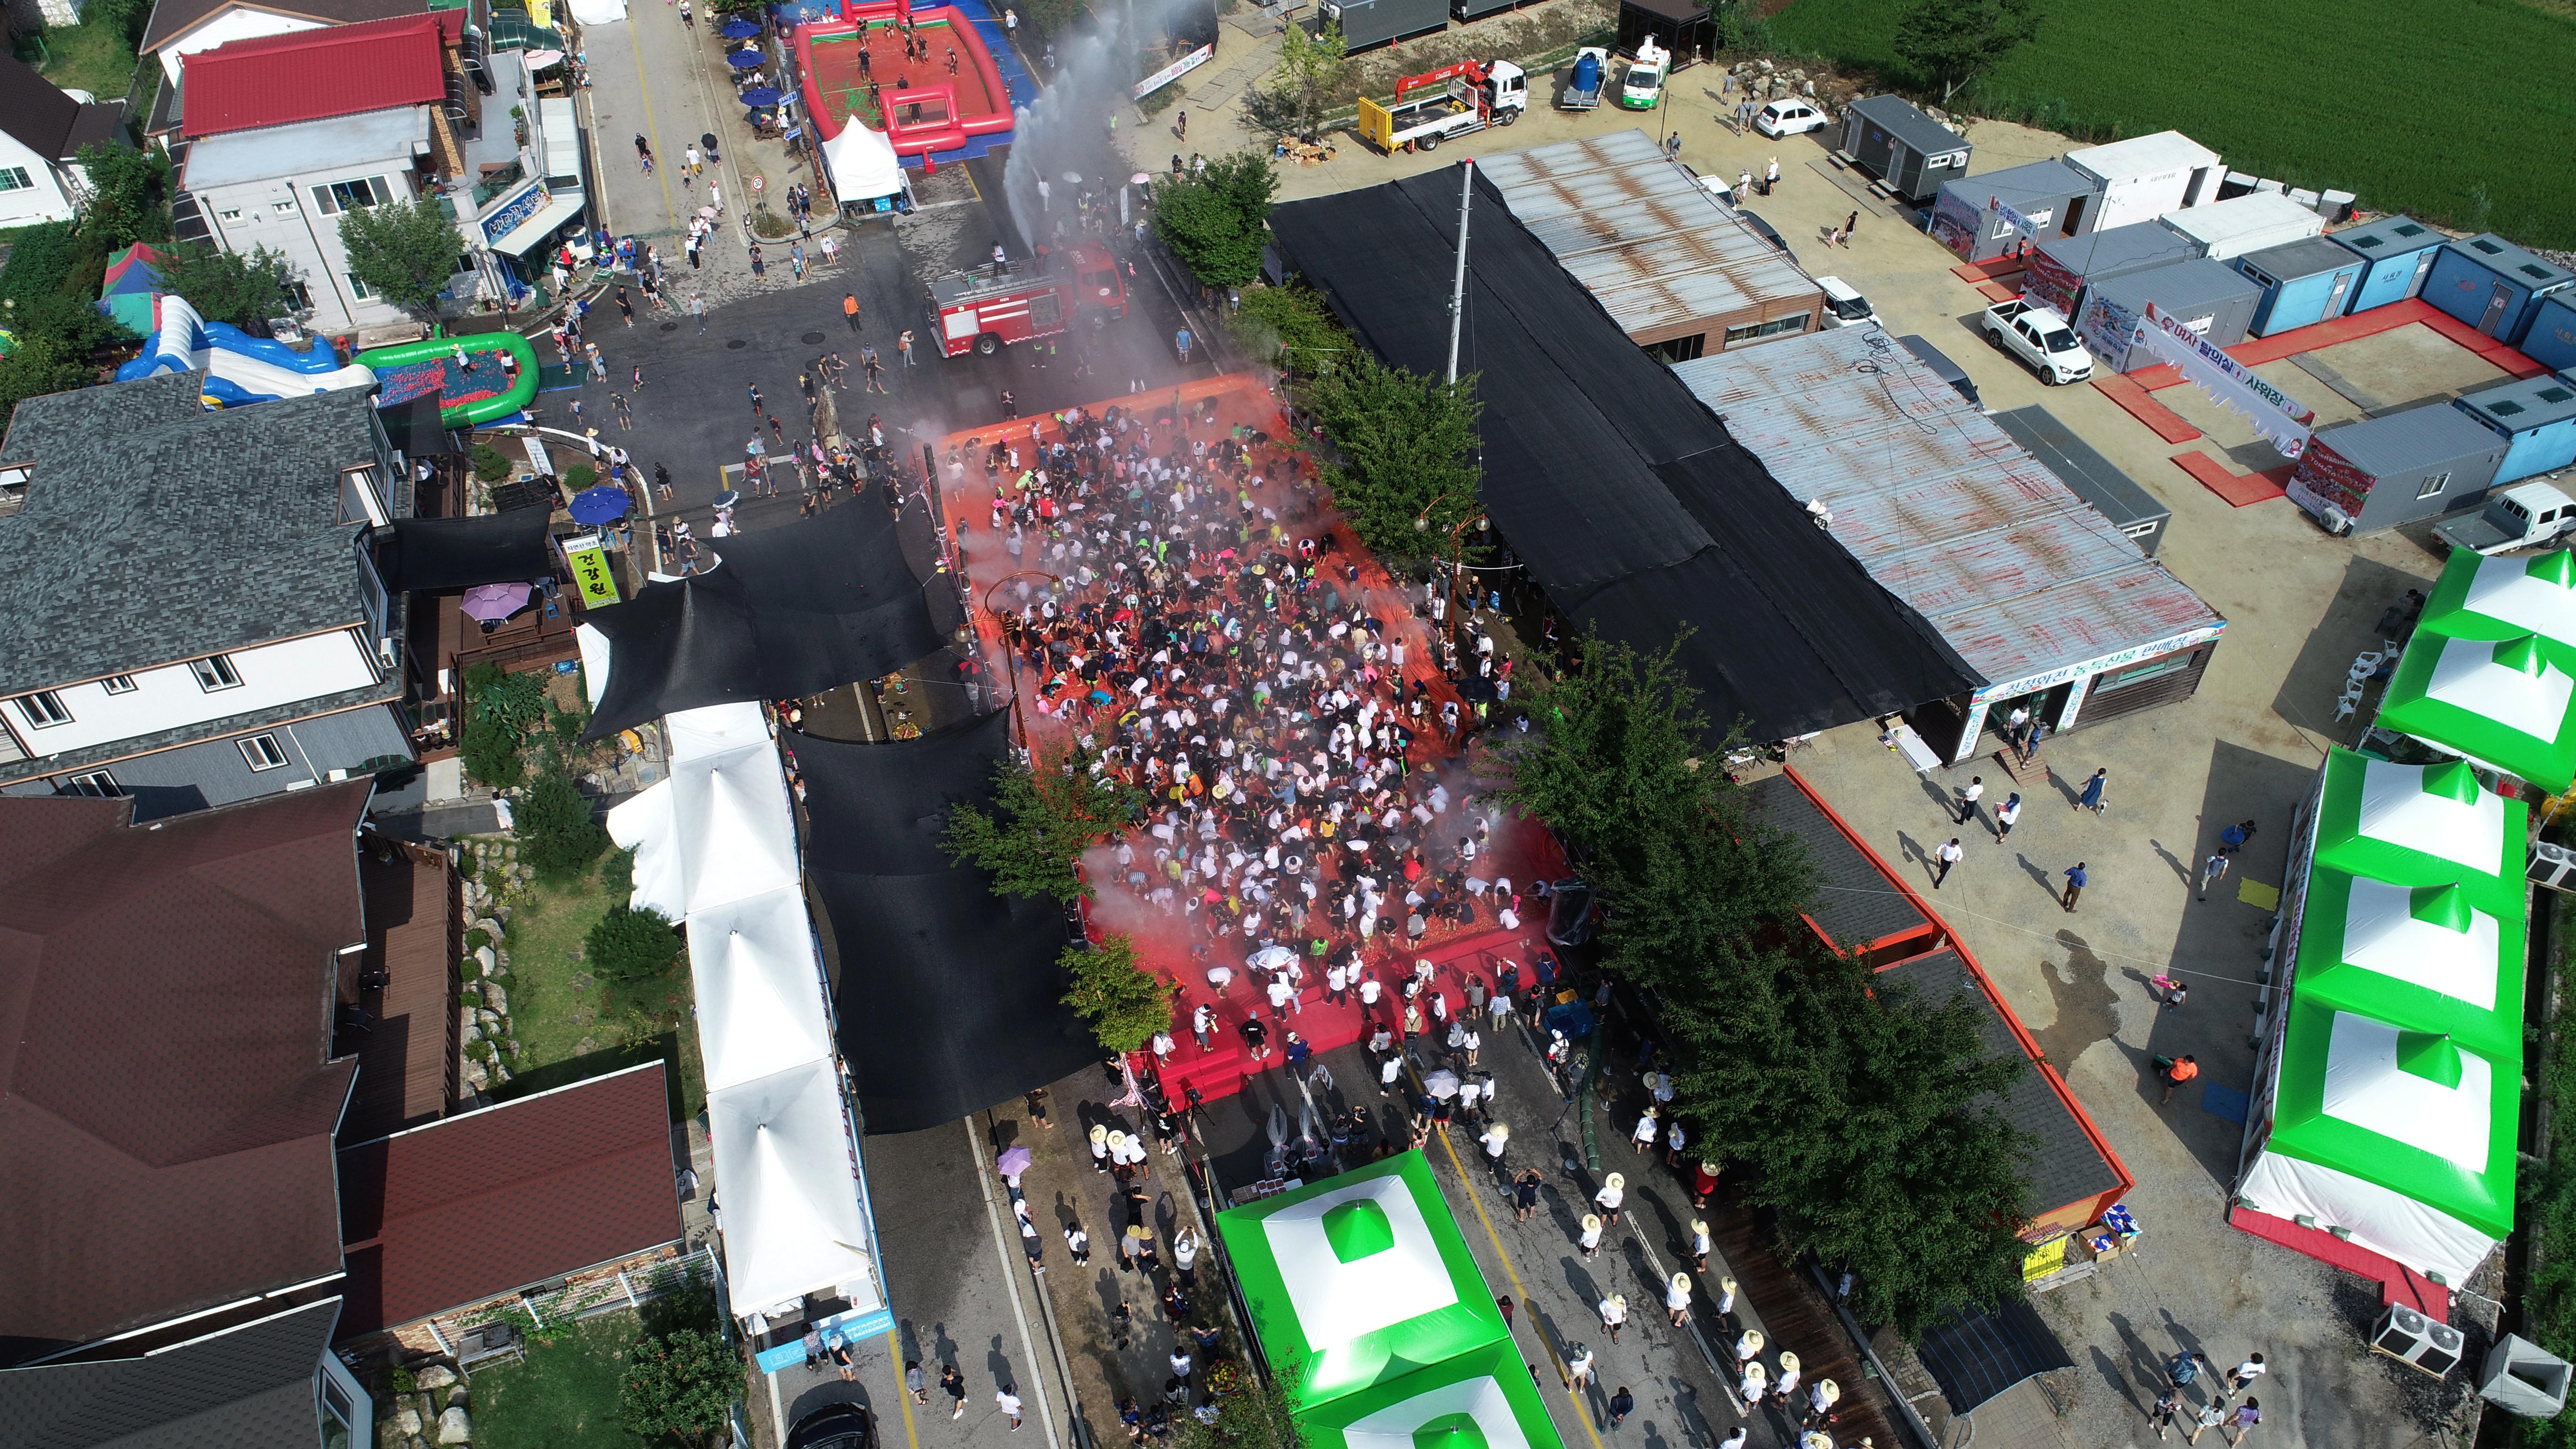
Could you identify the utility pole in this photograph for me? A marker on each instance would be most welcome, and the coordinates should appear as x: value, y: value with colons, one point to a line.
x: 1458, y: 287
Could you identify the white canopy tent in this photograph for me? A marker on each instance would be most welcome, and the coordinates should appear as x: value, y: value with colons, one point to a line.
x: 863, y: 164
x: 720, y: 829
x: 759, y: 987
x: 789, y: 1174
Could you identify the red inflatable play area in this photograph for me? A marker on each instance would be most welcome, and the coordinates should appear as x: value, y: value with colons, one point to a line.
x: 856, y: 70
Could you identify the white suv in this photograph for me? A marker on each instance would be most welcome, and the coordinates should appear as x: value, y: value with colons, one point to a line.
x: 1845, y: 307
x: 1789, y: 116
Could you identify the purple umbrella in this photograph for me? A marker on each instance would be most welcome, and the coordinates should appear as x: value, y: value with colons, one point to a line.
x: 492, y: 603
x: 1013, y: 1161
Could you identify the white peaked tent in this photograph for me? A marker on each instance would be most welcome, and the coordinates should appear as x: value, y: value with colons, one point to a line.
x: 863, y: 164
x: 789, y: 1178
x: 759, y: 987
x: 695, y: 733
x: 721, y: 828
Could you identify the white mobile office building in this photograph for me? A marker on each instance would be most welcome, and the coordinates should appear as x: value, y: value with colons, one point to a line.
x: 2144, y: 177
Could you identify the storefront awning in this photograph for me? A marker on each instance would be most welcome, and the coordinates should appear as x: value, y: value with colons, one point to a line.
x: 548, y: 219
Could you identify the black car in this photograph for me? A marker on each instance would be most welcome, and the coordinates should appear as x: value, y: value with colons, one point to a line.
x: 834, y: 1426
x: 1762, y: 229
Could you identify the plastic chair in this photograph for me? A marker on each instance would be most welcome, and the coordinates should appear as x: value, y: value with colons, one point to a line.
x: 2346, y: 708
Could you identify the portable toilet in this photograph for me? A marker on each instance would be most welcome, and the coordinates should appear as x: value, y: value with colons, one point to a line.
x: 2302, y: 281
x: 2398, y: 250
x: 2211, y: 298
x: 2242, y: 224
x: 2550, y: 340
x: 1911, y: 152
x: 2061, y: 268
x: 2493, y: 285
x: 2376, y: 473
x: 1971, y: 216
x: 2536, y: 415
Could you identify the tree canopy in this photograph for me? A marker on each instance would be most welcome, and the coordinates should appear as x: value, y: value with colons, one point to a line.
x: 1124, y: 1002
x: 1310, y: 70
x: 1407, y: 447
x: 404, y: 251
x: 1217, y: 221
x: 1041, y: 822
x: 128, y: 198
x: 244, y: 289
x: 1952, y: 42
x: 679, y: 1387
x: 1292, y: 328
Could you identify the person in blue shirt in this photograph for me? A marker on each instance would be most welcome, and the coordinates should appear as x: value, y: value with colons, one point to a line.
x: 2076, y: 880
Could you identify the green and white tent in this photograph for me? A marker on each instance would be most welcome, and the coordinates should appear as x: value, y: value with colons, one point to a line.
x: 2501, y: 702
x: 2499, y: 599
x: 1360, y: 1280
x: 1481, y: 1399
x: 2392, y: 1100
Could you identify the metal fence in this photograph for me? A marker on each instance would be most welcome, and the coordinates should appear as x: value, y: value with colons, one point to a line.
x: 628, y: 1288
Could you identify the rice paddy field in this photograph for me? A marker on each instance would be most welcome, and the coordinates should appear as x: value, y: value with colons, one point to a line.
x: 2457, y: 111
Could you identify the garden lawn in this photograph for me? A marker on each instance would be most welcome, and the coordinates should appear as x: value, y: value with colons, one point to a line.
x: 555, y: 1005
x: 564, y: 1396
x: 2456, y: 111
x: 91, y: 58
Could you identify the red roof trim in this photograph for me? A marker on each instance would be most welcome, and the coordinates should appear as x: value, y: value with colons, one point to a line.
x: 313, y: 75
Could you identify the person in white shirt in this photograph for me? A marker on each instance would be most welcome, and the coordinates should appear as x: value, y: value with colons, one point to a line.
x: 1614, y: 1190
x: 1614, y: 1314
x: 2245, y: 1373
x: 1645, y: 1133
x: 1677, y: 1297
x: 1496, y: 1137
x: 1591, y: 1239
x: 1010, y: 1406
x: 1203, y: 1026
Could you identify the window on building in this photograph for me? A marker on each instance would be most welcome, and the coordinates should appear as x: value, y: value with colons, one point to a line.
x: 44, y: 709
x: 283, y: 208
x: 2434, y: 485
x: 261, y: 752
x: 298, y: 295
x: 96, y: 784
x: 119, y: 683
x: 14, y: 478
x: 360, y: 501
x: 1773, y: 328
x: 15, y: 178
x: 359, y: 289
x: 356, y: 195
x: 1678, y: 349
x: 229, y: 214
x: 214, y: 672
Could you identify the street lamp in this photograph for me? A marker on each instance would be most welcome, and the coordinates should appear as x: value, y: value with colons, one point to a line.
x: 1010, y: 654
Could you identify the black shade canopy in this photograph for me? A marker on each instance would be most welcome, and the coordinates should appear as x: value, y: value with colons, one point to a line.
x: 1974, y: 1356
x: 949, y: 997
x: 789, y: 612
x: 458, y: 553
x: 1621, y: 492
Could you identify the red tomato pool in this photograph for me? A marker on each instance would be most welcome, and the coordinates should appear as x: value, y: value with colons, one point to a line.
x: 855, y: 71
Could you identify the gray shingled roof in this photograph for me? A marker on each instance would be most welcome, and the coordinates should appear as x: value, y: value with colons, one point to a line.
x: 249, y: 1388
x: 1854, y: 902
x: 155, y: 532
x: 2064, y: 1164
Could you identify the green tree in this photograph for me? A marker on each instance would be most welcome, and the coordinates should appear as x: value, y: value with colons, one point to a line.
x: 1041, y: 822
x: 1217, y: 221
x: 1407, y: 444
x: 1250, y: 1415
x: 1303, y: 84
x: 404, y: 251
x: 679, y: 1387
x: 244, y: 289
x: 40, y: 365
x: 490, y: 752
x: 1952, y: 42
x: 129, y: 196
x: 556, y: 832
x: 630, y: 946
x: 1291, y: 328
x: 1124, y: 1002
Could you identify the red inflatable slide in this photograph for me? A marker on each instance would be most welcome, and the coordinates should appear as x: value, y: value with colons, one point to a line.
x: 855, y: 70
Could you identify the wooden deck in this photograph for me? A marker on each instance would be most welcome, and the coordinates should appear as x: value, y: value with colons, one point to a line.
x: 1796, y: 1316
x: 407, y: 1058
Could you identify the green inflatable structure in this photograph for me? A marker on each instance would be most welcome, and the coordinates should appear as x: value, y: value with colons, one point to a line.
x: 473, y: 383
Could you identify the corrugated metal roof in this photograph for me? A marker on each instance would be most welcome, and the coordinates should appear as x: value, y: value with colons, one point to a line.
x: 308, y: 75
x: 2416, y: 438
x: 1941, y: 505
x: 2051, y: 180
x: 1640, y: 232
x: 2257, y: 213
x: 1900, y: 118
x: 2527, y: 403
x: 2307, y: 257
x: 2175, y: 286
x: 2388, y: 237
x: 2142, y: 156
x: 2121, y: 246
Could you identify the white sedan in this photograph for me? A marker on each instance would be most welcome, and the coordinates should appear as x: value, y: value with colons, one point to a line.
x: 1789, y: 117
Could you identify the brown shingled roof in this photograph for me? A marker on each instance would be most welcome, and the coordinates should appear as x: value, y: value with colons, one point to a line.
x: 166, y: 1101
x: 472, y: 1207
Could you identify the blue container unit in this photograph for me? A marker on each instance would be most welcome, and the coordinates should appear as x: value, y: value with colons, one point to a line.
x: 2303, y: 282
x: 2493, y: 285
x: 2536, y: 416
x: 2397, y: 253
x: 2550, y: 340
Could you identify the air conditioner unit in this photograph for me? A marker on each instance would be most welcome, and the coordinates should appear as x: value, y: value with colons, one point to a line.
x: 2553, y: 866
x: 389, y: 653
x: 2411, y: 1338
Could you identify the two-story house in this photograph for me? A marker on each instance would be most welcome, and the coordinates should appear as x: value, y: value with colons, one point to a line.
x: 42, y: 129
x: 189, y: 611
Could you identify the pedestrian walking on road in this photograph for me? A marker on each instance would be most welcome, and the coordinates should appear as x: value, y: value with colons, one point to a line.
x: 1578, y: 1366
x: 2244, y: 1374
x: 2212, y: 1414
x: 850, y: 309
x: 953, y: 1384
x: 2161, y: 1415
x: 2091, y: 799
x: 1009, y: 1403
x: 2076, y: 880
x: 1677, y: 1297
x: 1944, y: 858
x: 912, y: 1381
x: 698, y: 309
x: 2248, y: 1414
x: 874, y: 368
x: 2007, y: 815
x: 758, y: 408
x: 1700, y: 1245
x: 2178, y: 1071
x: 2212, y: 871
x: 1614, y: 1190
x: 903, y: 345
x: 1590, y: 1241
x: 1623, y: 1403
x: 1849, y: 227
x: 2233, y: 838
x: 688, y: 17
x: 1969, y: 795
x: 639, y: 377
x: 1614, y: 1314
x: 1181, y: 340
x: 1525, y: 1194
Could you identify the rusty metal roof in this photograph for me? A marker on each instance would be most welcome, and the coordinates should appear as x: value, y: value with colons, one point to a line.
x: 1641, y: 234
x: 1941, y: 505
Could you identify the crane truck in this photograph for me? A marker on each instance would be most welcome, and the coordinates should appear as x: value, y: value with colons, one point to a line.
x: 1472, y: 95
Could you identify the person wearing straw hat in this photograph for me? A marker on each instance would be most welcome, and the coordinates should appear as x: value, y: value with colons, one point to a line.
x: 1614, y: 1314
x: 1117, y: 1143
x: 1726, y: 1299
x: 1645, y: 1133
x: 1614, y: 1191
x: 1591, y: 1239
x: 1754, y: 1385
x: 1748, y: 1347
x: 1496, y: 1136
x: 1821, y: 1398
x: 1788, y: 1384
x: 1099, y: 1147
x: 1677, y: 1296
x: 1700, y: 1246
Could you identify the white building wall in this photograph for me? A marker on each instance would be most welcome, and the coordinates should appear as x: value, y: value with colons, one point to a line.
x: 42, y: 199
x: 231, y: 25
x: 168, y: 696
x: 278, y: 213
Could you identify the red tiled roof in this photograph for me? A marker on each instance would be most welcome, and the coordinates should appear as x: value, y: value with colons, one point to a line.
x: 474, y: 1206
x: 166, y: 1106
x: 311, y: 75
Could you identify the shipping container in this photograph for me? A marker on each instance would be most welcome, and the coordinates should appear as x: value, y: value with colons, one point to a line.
x: 2144, y: 177
x: 2399, y: 251
x: 2550, y: 340
x: 2493, y: 285
x: 2380, y: 472
x: 1369, y: 23
x: 2303, y: 282
x: 2055, y: 198
x: 2536, y: 416
x: 2062, y: 267
x: 2211, y: 298
x: 2225, y: 229
x: 1887, y: 137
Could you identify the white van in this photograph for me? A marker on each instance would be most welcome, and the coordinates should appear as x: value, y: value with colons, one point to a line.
x: 1845, y: 307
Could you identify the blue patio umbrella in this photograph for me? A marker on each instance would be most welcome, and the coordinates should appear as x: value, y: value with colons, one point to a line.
x: 761, y: 96
x: 592, y: 507
x: 746, y: 59
x: 740, y: 29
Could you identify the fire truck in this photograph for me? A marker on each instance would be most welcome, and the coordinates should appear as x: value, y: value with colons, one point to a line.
x: 981, y: 310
